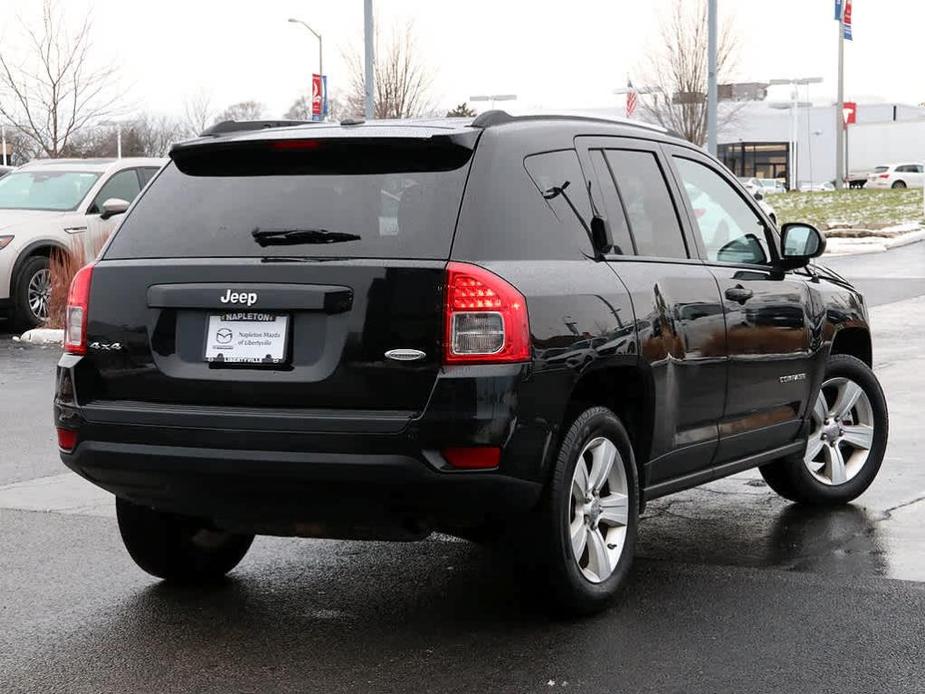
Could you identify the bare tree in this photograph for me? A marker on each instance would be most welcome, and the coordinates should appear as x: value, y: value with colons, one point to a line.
x: 56, y: 91
x: 198, y: 113
x: 676, y: 72
x: 403, y: 80
x: 156, y: 134
x: 301, y: 108
x: 243, y: 110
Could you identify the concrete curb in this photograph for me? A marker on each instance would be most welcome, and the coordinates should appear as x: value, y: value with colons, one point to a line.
x: 42, y: 336
x: 873, y: 244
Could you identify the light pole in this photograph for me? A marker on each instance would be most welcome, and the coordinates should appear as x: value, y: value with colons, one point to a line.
x: 711, y: 77
x: 118, y: 126
x: 369, y: 59
x: 3, y: 136
x: 320, y: 49
x: 794, y: 106
x: 492, y: 98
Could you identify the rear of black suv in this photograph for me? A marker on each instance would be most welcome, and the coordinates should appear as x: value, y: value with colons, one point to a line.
x: 275, y: 341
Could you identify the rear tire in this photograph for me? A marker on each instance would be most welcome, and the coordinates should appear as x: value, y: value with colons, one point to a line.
x: 31, y: 293
x: 846, y: 446
x: 177, y: 548
x: 899, y: 184
x: 592, y: 512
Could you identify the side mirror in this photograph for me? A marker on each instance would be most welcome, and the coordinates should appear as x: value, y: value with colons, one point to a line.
x: 601, y: 237
x: 113, y: 206
x: 800, y: 243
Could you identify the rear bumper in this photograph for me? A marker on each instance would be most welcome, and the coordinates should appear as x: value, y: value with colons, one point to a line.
x: 289, y: 471
x: 302, y: 493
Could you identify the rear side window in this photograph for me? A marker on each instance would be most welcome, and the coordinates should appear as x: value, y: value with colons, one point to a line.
x: 324, y: 200
x: 649, y: 208
x: 561, y: 169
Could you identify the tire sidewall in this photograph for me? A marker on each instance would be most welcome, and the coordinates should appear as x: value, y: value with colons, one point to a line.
x: 22, y: 312
x: 578, y: 592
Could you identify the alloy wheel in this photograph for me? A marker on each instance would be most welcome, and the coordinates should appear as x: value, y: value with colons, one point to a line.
x: 598, y: 509
x: 38, y: 294
x: 843, y: 432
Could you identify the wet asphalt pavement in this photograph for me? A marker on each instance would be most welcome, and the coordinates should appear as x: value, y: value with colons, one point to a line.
x: 733, y: 589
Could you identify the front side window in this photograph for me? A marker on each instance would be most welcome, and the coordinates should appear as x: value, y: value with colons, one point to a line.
x: 123, y: 186
x: 730, y: 230
x: 58, y: 191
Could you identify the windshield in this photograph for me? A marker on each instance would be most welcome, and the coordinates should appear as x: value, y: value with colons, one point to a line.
x: 402, y: 214
x: 45, y: 190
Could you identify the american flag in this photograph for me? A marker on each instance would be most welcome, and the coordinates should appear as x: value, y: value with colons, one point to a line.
x: 631, y: 97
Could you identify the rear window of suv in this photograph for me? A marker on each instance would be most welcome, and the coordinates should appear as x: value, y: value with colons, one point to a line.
x: 330, y: 200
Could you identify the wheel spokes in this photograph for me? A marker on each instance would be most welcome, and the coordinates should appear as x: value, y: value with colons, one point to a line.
x: 579, y: 535
x: 820, y: 409
x: 835, y: 465
x: 615, y: 509
x: 580, y: 485
x: 859, y: 435
x: 602, y: 458
x: 813, y: 446
x: 848, y: 394
x: 598, y: 556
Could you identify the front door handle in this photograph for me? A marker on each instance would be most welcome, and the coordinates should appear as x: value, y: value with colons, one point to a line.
x: 739, y: 293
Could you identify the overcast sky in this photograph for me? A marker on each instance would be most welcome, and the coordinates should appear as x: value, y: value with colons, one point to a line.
x: 563, y: 53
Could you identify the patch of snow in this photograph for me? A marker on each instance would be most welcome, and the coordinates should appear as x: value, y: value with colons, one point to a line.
x: 43, y: 336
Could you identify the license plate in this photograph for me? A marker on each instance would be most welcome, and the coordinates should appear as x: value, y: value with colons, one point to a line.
x: 248, y: 337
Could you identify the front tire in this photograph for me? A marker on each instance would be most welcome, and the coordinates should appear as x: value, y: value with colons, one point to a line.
x: 847, y: 442
x: 32, y: 293
x: 176, y: 548
x: 590, y: 515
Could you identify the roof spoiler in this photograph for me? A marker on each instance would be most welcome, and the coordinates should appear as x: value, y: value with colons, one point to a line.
x: 233, y: 126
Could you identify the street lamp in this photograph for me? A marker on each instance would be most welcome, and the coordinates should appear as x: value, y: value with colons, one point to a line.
x: 320, y: 50
x: 795, y: 83
x: 494, y: 97
x: 118, y: 127
x: 3, y: 137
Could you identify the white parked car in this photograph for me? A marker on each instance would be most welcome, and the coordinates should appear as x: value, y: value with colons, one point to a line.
x: 58, y: 204
x: 897, y: 176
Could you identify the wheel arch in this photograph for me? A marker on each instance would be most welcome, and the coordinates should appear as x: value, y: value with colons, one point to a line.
x: 855, y: 342
x: 39, y: 247
x: 627, y: 391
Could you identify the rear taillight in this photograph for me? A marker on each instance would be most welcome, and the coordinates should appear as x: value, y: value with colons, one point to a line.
x: 75, y: 317
x: 67, y: 439
x: 886, y: 175
x: 485, y: 318
x: 473, y: 458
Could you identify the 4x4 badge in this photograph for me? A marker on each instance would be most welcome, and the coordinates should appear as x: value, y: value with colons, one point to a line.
x: 405, y: 354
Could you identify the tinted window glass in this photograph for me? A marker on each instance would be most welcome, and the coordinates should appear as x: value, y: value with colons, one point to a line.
x: 649, y: 208
x: 623, y: 243
x: 123, y: 185
x: 729, y: 228
x: 145, y: 175
x: 556, y: 169
x: 45, y: 190
x: 381, y: 215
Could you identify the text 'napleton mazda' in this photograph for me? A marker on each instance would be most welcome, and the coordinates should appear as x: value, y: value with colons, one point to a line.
x: 513, y: 330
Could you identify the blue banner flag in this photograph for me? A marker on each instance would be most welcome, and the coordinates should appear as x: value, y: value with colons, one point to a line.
x: 324, y: 96
x: 837, y: 10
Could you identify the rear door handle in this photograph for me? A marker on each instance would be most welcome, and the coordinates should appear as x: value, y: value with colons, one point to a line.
x: 739, y: 293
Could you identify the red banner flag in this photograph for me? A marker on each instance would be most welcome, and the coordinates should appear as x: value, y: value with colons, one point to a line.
x: 317, y: 97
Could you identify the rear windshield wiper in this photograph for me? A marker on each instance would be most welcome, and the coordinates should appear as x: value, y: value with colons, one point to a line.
x: 284, y: 237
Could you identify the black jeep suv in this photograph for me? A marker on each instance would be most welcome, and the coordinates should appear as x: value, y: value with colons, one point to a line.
x: 514, y: 327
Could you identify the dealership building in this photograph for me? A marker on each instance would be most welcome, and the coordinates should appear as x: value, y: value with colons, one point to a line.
x: 755, y: 135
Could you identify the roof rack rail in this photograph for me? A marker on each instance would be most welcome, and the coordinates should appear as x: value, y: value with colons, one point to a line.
x: 489, y: 119
x: 233, y: 126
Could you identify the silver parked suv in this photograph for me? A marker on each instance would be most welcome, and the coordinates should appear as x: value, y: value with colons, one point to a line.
x: 58, y: 203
